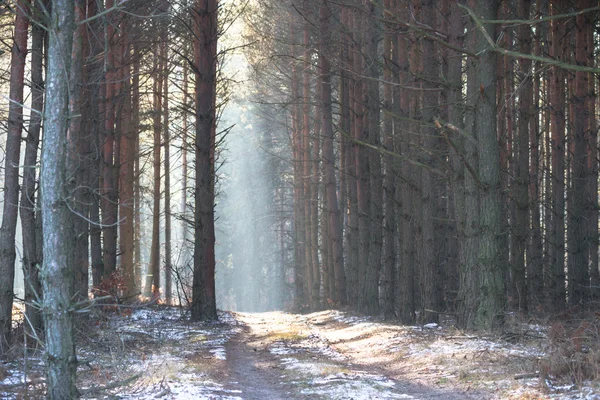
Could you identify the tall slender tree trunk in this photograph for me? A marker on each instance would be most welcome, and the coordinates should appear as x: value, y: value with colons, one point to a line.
x: 154, y: 265
x: 335, y: 222
x: 430, y: 295
x: 556, y: 281
x: 78, y: 156
x: 205, y: 57
x: 95, y: 77
x: 57, y: 270
x: 535, y: 274
x: 126, y: 176
x: 490, y: 260
x: 135, y: 126
x: 311, y: 289
x: 405, y: 299
x: 108, y: 200
x: 578, y: 262
x: 521, y: 184
x: 33, y: 289
x: 350, y: 116
x: 388, y: 274
x: 592, y: 177
x: 12, y: 153
x: 167, y: 144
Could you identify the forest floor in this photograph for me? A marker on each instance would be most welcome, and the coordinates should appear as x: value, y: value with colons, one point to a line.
x: 156, y: 353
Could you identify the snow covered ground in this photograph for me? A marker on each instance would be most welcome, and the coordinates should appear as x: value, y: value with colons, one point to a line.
x: 158, y: 353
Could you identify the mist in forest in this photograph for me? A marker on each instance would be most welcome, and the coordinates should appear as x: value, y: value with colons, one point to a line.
x: 248, y: 276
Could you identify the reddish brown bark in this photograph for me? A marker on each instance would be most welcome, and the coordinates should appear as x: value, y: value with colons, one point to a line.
x: 11, y: 171
x: 205, y: 59
x: 109, y: 195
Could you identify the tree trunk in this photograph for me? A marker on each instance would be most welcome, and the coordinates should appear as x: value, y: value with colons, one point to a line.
x: 33, y: 289
x: 350, y: 115
x: 491, y: 307
x: 12, y: 151
x: 205, y: 57
x: 109, y: 195
x: 405, y: 299
x: 126, y: 177
x: 135, y: 126
x: 388, y: 274
x: 520, y: 227
x: 154, y: 265
x: 556, y: 281
x: 57, y: 270
x: 578, y: 263
x: 167, y: 144
x: 430, y: 295
x: 78, y: 159
x: 535, y: 275
x: 94, y: 71
x: 311, y: 290
x: 335, y: 223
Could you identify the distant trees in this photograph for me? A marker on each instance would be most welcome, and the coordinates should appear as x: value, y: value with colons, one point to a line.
x: 84, y: 209
x: 463, y: 152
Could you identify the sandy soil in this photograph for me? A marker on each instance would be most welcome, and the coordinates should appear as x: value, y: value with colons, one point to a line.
x: 158, y: 353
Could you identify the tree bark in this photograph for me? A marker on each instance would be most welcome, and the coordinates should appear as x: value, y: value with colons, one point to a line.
x: 521, y: 184
x: 126, y: 174
x: 490, y: 260
x: 578, y: 263
x: 154, y: 265
x: 109, y: 196
x: 78, y: 159
x: 10, y: 208
x: 556, y: 281
x: 205, y: 57
x: 57, y: 270
x: 31, y: 262
x: 335, y: 223
x: 388, y: 274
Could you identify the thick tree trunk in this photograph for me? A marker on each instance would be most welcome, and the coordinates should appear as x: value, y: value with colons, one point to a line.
x: 57, y: 270
x: 205, y: 57
x: 12, y: 161
x: 490, y: 260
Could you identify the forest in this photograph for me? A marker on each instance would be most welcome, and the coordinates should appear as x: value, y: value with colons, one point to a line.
x: 320, y: 164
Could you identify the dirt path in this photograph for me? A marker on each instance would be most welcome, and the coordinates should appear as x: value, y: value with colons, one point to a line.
x: 287, y: 356
x: 255, y: 373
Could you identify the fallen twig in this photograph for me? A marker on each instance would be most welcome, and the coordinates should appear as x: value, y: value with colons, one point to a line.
x: 112, y: 385
x: 461, y: 337
x: 527, y: 376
